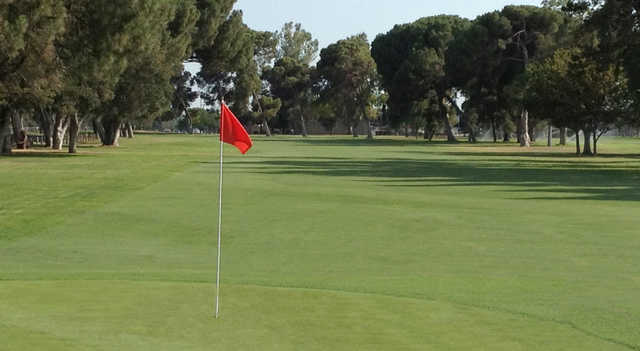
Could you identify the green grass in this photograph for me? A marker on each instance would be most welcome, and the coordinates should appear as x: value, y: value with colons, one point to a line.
x: 329, y: 244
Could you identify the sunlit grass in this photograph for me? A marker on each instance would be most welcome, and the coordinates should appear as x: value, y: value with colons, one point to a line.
x: 329, y: 243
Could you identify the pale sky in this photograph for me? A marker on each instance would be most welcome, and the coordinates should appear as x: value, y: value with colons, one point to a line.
x: 332, y: 20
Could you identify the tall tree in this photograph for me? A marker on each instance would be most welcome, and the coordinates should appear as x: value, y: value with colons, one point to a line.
x: 349, y: 78
x: 265, y: 107
x: 296, y: 43
x: 617, y: 23
x: 487, y: 61
x: 213, y: 13
x: 160, y: 38
x: 411, y: 60
x: 29, y: 70
x: 290, y: 81
x: 576, y: 92
x: 231, y: 52
x: 532, y: 31
x: 183, y: 96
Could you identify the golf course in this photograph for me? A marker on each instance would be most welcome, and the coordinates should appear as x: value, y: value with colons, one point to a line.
x: 329, y: 243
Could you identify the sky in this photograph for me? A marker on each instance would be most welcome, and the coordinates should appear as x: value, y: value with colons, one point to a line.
x: 333, y: 20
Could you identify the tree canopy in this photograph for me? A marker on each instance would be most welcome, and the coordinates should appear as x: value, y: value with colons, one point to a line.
x: 113, y: 64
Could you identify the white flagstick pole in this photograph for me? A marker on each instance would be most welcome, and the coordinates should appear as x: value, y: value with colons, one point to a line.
x: 219, y: 219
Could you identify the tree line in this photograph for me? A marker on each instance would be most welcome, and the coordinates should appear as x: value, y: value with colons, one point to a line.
x: 108, y: 65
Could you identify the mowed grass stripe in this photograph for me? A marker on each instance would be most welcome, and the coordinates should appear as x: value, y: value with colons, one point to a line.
x: 542, y: 236
x: 167, y: 316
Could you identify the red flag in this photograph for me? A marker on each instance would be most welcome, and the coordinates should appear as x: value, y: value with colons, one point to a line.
x: 232, y: 132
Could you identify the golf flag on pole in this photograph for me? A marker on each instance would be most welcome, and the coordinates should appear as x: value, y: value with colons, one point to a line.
x: 232, y: 132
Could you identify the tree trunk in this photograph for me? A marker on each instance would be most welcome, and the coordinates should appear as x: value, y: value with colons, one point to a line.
x: 595, y: 141
x: 519, y: 133
x: 19, y: 133
x: 189, y: 123
x: 472, y: 135
x: 493, y: 130
x: 506, y: 138
x: 563, y: 136
x: 587, y: 143
x: 525, y: 140
x: 59, y: 130
x: 578, y: 142
x: 74, y: 128
x: 129, y: 127
x: 45, y: 120
x: 445, y: 120
x: 303, y: 124
x: 354, y: 130
x: 371, y: 133
x: 406, y: 131
x: 98, y: 130
x: 550, y: 136
x: 267, y: 130
x: 5, y: 132
x: 17, y: 123
x: 111, y: 132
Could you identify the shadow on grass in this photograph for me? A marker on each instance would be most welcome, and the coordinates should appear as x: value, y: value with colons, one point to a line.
x: 42, y: 152
x: 362, y: 141
x: 550, y: 154
x: 551, y: 181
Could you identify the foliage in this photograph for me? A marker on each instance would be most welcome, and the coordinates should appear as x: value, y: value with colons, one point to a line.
x: 206, y: 121
x: 29, y: 70
x: 573, y: 90
x: 488, y: 59
x: 212, y: 14
x: 348, y: 79
x: 226, y: 59
x: 160, y: 40
x: 296, y: 43
x: 290, y: 81
x: 411, y: 59
x: 30, y: 73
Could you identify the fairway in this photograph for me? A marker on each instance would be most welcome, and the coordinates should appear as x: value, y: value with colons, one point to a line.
x: 328, y: 244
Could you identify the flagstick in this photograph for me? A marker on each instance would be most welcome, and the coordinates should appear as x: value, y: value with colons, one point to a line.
x: 219, y: 223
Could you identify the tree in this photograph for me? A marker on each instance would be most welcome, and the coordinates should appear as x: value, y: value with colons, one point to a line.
x: 488, y: 59
x: 204, y: 120
x: 533, y: 30
x: 572, y: 88
x: 617, y: 23
x: 160, y: 38
x: 183, y: 96
x: 265, y: 109
x: 411, y: 59
x: 29, y: 70
x: 349, y: 79
x: 224, y: 60
x: 296, y: 43
x: 212, y: 14
x: 290, y: 81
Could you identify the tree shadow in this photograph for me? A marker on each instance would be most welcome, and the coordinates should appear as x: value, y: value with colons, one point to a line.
x: 558, y: 180
x: 549, y: 154
x: 361, y: 141
x: 41, y: 154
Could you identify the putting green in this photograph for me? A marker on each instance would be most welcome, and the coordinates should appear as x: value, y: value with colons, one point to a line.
x: 121, y: 315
